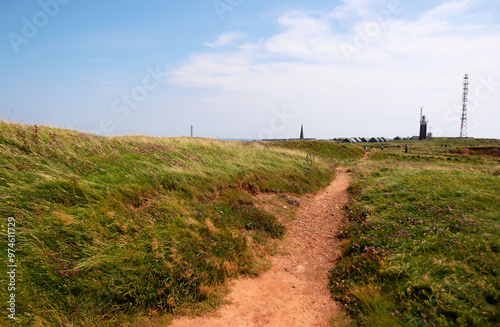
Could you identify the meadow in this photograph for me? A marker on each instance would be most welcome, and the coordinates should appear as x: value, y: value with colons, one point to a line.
x: 421, y: 241
x: 127, y: 231
x: 117, y: 231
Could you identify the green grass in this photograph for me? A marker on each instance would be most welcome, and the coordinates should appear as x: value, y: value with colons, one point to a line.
x: 325, y: 150
x: 111, y: 231
x: 129, y: 230
x: 421, y: 239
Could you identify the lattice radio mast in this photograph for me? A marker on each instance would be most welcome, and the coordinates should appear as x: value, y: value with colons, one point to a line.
x: 463, y: 128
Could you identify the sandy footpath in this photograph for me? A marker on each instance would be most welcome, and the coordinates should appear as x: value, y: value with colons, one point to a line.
x: 294, y: 291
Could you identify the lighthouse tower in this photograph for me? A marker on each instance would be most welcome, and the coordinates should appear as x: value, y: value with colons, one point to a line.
x: 423, y: 127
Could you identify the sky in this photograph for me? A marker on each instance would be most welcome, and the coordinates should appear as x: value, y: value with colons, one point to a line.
x: 244, y: 69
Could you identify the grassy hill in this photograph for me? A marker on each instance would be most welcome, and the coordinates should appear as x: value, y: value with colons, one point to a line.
x: 109, y: 229
x: 422, y: 237
x: 120, y: 230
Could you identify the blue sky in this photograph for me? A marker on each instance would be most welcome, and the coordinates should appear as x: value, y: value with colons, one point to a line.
x: 251, y: 69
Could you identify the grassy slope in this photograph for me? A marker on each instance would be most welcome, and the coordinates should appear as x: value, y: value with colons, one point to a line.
x: 323, y: 150
x: 423, y: 240
x: 108, y: 227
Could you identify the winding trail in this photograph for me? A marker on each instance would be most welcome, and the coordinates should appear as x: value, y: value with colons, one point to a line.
x: 294, y: 291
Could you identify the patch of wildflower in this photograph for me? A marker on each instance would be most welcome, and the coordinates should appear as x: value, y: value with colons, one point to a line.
x: 86, y: 166
x: 63, y: 267
x: 25, y: 165
x: 403, y: 243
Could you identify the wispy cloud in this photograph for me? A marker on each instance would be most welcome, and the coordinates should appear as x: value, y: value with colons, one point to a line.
x: 225, y: 40
x: 357, y: 9
x: 447, y: 10
x: 304, y: 37
x: 409, y: 64
x: 308, y: 41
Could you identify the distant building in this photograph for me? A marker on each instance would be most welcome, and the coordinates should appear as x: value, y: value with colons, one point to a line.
x: 352, y: 140
x: 423, y: 128
x: 364, y: 139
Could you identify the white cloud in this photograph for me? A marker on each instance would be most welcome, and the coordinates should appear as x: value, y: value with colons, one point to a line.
x: 407, y: 64
x: 447, y: 10
x: 357, y: 8
x: 225, y: 40
x: 304, y: 37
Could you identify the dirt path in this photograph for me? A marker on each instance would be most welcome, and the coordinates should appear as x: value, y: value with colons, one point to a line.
x: 294, y: 291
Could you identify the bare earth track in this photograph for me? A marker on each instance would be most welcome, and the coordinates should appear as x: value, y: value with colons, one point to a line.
x: 294, y: 291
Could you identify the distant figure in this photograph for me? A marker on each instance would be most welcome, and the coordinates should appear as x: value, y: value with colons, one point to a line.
x: 381, y: 147
x: 406, y: 148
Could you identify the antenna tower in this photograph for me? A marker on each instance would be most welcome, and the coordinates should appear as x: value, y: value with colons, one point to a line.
x: 191, y: 130
x: 463, y: 128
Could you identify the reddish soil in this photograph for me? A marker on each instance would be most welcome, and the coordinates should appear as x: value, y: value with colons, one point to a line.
x: 486, y: 151
x: 294, y: 291
x: 490, y: 151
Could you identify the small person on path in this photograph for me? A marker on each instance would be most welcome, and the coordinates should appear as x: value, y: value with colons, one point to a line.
x: 406, y: 148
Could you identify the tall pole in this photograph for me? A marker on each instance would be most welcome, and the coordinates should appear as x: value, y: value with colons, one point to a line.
x: 463, y: 128
x: 191, y: 130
